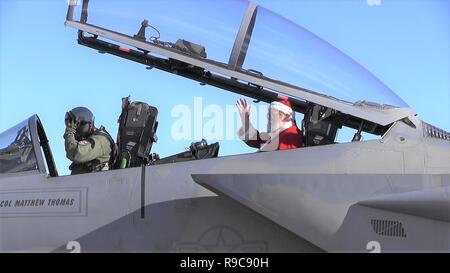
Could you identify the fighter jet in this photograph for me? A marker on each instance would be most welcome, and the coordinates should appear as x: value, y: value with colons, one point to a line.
x: 389, y: 194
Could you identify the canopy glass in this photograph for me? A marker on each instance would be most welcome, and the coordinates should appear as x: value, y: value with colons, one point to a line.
x: 278, y: 48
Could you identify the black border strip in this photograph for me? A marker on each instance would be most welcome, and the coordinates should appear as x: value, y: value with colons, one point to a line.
x: 143, y: 192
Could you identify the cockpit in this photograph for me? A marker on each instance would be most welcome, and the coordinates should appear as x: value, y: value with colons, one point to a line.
x: 24, y: 148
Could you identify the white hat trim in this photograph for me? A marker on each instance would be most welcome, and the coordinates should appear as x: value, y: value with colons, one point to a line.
x: 281, y: 107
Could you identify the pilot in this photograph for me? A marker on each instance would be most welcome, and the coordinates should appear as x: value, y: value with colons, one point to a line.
x: 90, y: 149
x: 282, y: 133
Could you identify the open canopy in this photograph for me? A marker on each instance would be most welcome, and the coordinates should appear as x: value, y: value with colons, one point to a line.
x: 278, y: 48
x: 243, y: 43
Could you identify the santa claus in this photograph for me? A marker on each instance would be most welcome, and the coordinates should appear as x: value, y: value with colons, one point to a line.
x: 282, y: 133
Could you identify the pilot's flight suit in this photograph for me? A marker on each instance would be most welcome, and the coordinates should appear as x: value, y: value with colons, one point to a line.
x: 90, y: 155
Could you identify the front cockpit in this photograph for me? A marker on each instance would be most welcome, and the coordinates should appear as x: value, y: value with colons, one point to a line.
x: 24, y: 148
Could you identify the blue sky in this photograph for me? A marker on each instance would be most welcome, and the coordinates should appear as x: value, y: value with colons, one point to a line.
x: 44, y: 71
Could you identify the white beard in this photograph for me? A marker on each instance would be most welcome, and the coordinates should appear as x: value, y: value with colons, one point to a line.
x: 273, y: 125
x: 272, y: 136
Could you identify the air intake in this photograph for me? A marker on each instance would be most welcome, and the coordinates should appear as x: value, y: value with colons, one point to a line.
x: 388, y: 228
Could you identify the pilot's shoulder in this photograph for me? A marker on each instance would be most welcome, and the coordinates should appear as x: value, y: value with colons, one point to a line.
x: 93, y: 140
x: 100, y: 139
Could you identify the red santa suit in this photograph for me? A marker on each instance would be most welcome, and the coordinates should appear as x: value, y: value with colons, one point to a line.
x: 288, y: 136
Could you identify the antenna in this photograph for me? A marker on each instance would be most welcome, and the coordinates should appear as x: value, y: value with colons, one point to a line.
x: 141, y: 33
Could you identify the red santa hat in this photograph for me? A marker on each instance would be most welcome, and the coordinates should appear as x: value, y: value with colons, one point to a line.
x: 283, y: 106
